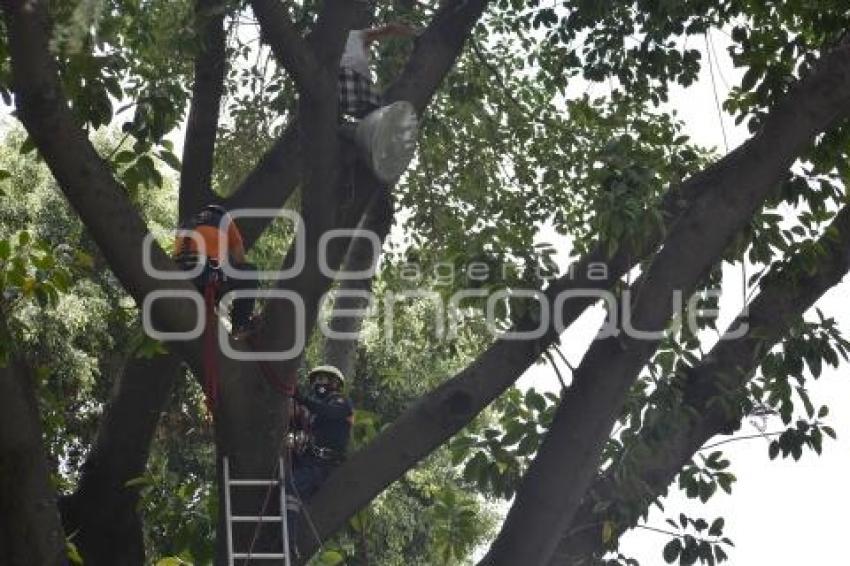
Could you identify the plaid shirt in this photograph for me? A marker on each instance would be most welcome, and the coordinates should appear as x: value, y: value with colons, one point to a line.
x: 357, y: 95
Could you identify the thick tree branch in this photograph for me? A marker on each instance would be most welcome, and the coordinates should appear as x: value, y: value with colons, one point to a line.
x: 567, y: 460
x: 202, y: 123
x: 87, y: 182
x: 435, y: 52
x: 362, y: 255
x: 103, y: 510
x: 32, y: 532
x: 270, y: 184
x: 726, y: 368
x: 290, y: 49
x: 336, y: 18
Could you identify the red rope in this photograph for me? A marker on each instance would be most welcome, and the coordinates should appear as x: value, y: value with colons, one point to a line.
x: 285, y: 387
x: 210, y: 349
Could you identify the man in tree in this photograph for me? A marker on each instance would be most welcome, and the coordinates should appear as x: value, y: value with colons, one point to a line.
x: 357, y: 94
x: 327, y: 424
x: 211, y: 236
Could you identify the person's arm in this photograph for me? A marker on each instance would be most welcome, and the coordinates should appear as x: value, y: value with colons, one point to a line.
x: 387, y: 31
x: 334, y: 407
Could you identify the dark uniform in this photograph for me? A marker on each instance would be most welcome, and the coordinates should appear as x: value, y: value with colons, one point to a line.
x: 328, y: 425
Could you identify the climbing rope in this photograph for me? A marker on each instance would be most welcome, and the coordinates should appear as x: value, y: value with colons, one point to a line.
x: 286, y: 385
x: 210, y: 359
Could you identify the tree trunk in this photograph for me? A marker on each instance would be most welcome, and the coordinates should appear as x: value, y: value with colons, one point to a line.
x: 202, y: 123
x: 103, y: 512
x: 31, y: 532
x: 353, y: 293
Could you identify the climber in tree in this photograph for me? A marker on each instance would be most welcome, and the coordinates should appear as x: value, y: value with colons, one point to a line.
x: 324, y: 420
x: 215, y: 234
x: 357, y: 94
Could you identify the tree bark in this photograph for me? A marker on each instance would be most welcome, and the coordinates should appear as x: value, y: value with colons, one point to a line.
x: 727, y: 367
x: 353, y: 293
x: 202, y: 123
x: 568, y: 458
x: 30, y: 530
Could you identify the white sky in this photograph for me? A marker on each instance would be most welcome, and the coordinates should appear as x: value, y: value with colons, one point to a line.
x: 802, y: 502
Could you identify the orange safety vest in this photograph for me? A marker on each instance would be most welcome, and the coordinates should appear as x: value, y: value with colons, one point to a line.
x: 211, y: 237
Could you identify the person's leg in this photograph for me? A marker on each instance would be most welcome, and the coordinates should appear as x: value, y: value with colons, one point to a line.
x: 369, y: 97
x: 242, y: 308
x: 358, y: 97
x: 302, y: 484
x: 348, y: 100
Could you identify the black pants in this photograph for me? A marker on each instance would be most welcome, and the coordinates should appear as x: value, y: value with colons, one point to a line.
x: 242, y: 309
x: 308, y: 474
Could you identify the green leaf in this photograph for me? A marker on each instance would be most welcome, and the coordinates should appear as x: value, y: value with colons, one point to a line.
x: 73, y: 553
x: 330, y: 558
x: 535, y: 400
x: 170, y: 159
x: 716, y: 528
x: 773, y: 450
x: 672, y: 550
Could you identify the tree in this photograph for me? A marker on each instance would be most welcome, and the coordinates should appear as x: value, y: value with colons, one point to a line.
x: 497, y: 155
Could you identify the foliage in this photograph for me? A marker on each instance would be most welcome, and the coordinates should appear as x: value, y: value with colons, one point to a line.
x: 428, y: 516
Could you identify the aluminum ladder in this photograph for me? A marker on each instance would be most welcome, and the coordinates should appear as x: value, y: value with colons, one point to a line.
x: 230, y: 518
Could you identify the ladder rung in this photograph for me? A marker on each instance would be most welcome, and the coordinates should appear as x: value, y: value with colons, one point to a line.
x: 255, y: 518
x: 258, y: 556
x: 254, y: 482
